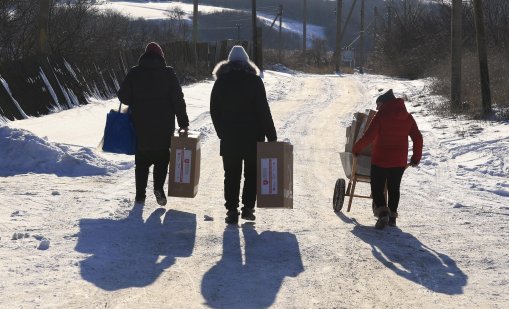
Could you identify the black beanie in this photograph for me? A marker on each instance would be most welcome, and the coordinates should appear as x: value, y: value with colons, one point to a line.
x: 388, y: 96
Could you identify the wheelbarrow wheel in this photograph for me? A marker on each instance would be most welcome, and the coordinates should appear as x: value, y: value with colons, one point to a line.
x: 339, y: 195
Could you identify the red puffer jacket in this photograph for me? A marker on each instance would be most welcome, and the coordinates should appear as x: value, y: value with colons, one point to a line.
x: 389, y: 131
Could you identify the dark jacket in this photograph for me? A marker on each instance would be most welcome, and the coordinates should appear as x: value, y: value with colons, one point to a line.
x: 389, y: 131
x: 239, y: 108
x: 154, y: 96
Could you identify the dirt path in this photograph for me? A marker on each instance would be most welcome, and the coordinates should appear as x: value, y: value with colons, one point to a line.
x: 185, y: 256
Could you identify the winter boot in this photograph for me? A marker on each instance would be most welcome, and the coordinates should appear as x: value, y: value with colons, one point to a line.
x: 160, y: 197
x: 392, y: 218
x: 139, y: 199
x: 232, y: 216
x: 248, y: 214
x: 383, y: 214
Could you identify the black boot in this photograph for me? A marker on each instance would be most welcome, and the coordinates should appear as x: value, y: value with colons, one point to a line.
x: 248, y: 213
x: 232, y: 216
x: 383, y: 214
x: 392, y: 219
x: 160, y: 197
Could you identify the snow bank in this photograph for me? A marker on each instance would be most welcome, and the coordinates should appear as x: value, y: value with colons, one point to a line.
x: 23, y: 152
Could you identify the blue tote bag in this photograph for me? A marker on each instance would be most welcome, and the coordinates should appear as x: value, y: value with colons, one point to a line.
x: 119, y: 133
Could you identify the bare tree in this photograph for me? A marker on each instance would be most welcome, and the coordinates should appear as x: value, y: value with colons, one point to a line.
x: 177, y: 15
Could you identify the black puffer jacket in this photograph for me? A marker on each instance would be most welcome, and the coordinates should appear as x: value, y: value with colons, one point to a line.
x: 239, y: 108
x: 153, y: 93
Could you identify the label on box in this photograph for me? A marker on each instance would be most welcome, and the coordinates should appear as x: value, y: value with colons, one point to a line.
x: 183, y: 165
x: 269, y: 176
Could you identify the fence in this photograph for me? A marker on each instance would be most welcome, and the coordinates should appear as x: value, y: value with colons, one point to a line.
x: 36, y: 86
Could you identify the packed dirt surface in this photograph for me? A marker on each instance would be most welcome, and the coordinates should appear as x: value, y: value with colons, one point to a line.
x: 115, y: 254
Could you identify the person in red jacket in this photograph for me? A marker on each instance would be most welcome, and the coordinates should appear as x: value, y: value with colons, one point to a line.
x: 388, y: 133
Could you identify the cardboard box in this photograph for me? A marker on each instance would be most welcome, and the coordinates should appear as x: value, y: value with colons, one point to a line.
x: 364, y: 126
x: 184, y: 169
x: 274, y: 187
x: 363, y: 164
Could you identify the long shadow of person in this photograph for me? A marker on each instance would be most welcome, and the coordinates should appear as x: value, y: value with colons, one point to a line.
x: 269, y: 258
x: 404, y: 254
x: 132, y: 253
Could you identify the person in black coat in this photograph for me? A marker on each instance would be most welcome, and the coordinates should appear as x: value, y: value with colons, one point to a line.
x: 154, y: 96
x: 241, y: 117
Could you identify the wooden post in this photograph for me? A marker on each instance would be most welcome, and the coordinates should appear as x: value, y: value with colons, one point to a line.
x: 339, y: 12
x: 361, y: 69
x: 483, y: 57
x: 255, y: 36
x: 304, y: 26
x: 456, y: 54
x: 44, y: 6
x: 259, y: 52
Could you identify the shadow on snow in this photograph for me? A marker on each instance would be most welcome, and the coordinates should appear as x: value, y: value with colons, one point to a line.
x: 404, y: 254
x: 254, y: 282
x: 132, y: 253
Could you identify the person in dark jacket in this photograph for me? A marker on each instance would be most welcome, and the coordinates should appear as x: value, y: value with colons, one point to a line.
x: 241, y: 117
x: 388, y: 133
x: 154, y: 96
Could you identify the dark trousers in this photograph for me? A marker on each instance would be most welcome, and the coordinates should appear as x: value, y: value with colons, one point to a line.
x: 143, y: 160
x: 232, y: 173
x: 379, y: 177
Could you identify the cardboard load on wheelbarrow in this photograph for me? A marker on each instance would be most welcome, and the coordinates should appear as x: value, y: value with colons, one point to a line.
x: 353, y: 133
x: 363, y: 164
x: 274, y: 175
x: 184, y: 169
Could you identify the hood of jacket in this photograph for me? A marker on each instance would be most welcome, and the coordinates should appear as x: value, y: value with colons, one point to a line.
x: 394, y: 109
x: 225, y: 67
x: 151, y: 61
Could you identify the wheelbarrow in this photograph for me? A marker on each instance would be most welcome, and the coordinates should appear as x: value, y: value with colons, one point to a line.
x: 357, y: 169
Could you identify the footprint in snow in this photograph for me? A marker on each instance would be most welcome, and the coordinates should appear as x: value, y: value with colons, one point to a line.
x: 43, y: 244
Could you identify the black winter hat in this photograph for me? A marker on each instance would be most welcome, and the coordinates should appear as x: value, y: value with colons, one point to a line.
x: 388, y: 96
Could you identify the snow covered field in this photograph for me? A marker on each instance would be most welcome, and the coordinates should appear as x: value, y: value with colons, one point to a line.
x: 156, y: 10
x: 159, y: 10
x: 72, y: 237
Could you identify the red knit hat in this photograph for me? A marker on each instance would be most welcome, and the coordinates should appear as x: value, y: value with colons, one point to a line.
x: 154, y: 48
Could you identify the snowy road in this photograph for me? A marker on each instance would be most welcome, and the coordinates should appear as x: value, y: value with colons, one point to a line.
x: 105, y: 253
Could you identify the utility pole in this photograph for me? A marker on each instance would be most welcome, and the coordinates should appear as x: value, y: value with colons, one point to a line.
x: 339, y: 12
x: 389, y: 24
x: 280, y: 32
x: 375, y: 29
x: 361, y: 70
x: 238, y: 32
x: 456, y: 52
x: 195, y: 22
x: 195, y: 31
x: 44, y: 6
x: 255, y: 36
x: 483, y: 57
x: 304, y: 26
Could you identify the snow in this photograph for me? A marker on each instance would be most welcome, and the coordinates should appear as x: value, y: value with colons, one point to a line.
x: 71, y: 235
x: 6, y: 87
x: 156, y: 10
x: 159, y: 10
x: 312, y: 31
